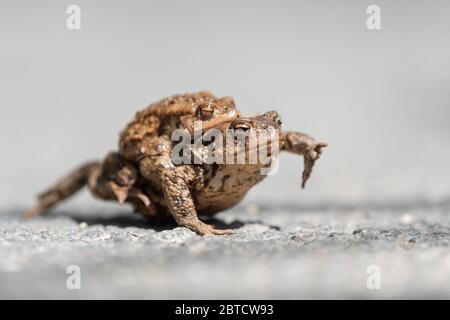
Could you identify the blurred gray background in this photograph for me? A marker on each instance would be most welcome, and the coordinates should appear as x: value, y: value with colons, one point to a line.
x: 379, y: 98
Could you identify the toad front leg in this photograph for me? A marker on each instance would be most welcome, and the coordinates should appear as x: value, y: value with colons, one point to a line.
x: 176, y: 184
x: 181, y: 205
x: 305, y: 145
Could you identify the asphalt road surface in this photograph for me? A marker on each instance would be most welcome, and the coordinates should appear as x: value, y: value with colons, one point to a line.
x: 277, y: 251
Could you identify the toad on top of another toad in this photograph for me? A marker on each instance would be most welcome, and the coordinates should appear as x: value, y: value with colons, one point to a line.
x: 143, y: 173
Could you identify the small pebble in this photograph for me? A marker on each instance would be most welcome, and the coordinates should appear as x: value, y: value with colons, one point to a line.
x: 83, y: 225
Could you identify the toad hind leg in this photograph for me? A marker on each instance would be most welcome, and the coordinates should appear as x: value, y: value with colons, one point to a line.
x: 63, y: 189
x: 180, y: 203
x: 116, y: 180
x: 305, y: 145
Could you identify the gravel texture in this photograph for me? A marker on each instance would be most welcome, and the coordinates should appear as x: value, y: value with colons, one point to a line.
x: 379, y: 98
x: 278, y: 251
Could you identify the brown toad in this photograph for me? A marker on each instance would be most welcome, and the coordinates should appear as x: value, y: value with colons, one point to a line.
x: 116, y: 178
x: 156, y: 186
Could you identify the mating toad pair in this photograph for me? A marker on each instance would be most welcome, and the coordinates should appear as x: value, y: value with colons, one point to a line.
x: 143, y: 174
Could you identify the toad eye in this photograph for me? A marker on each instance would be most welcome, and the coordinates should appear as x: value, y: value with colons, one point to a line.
x: 241, y: 126
x: 206, y: 110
